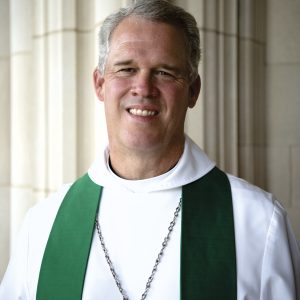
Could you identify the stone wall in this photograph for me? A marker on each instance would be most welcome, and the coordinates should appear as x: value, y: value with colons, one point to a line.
x: 283, y: 105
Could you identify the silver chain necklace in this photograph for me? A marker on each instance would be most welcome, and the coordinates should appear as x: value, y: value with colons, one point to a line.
x: 157, y: 261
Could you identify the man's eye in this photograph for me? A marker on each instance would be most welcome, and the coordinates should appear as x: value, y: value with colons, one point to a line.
x: 163, y: 73
x: 126, y: 71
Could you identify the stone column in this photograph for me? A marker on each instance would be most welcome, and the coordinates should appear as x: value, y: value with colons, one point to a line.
x: 220, y: 83
x: 61, y: 92
x: 39, y: 80
x: 283, y: 105
x: 252, y: 110
x: 213, y: 124
x: 21, y: 111
x: 5, y: 134
x: 87, y: 119
x: 194, y: 122
x: 229, y: 119
x: 102, y: 10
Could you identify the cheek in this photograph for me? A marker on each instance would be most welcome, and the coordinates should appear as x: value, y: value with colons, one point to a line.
x: 115, y: 95
x: 114, y: 88
x: 176, y: 99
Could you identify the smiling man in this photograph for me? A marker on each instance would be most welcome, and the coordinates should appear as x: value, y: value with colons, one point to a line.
x: 146, y: 89
x: 154, y: 217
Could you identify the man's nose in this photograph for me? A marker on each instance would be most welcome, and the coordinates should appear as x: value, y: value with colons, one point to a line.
x: 144, y: 86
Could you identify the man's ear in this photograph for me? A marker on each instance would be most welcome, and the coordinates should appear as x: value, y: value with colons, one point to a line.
x: 194, y: 92
x: 98, y: 84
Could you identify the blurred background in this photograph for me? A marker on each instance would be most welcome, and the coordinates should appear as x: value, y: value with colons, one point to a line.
x: 51, y: 125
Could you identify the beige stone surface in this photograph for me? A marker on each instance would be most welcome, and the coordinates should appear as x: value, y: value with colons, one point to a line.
x: 278, y: 172
x: 85, y: 100
x: 4, y: 29
x: 210, y: 94
x: 61, y: 108
x: 260, y: 166
x: 229, y: 20
x: 61, y: 15
x: 100, y: 137
x: 103, y: 8
x: 210, y: 15
x: 39, y: 112
x: 282, y: 105
x: 21, y: 120
x: 283, y: 109
x: 85, y: 15
x: 194, y: 123
x: 295, y: 175
x: 192, y: 7
x: 4, y: 228
x: 40, y: 195
x: 246, y: 91
x: 283, y: 31
x: 20, y: 25
x: 68, y: 15
x: 39, y: 15
x: 5, y: 121
x: 246, y: 10
x: 252, y: 20
x: 69, y: 106
x: 246, y: 163
x: 295, y: 221
x: 259, y: 95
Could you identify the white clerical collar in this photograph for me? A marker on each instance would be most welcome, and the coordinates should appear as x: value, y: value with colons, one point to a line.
x: 192, y: 165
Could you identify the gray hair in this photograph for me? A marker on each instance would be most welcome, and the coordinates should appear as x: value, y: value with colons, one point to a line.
x: 158, y: 11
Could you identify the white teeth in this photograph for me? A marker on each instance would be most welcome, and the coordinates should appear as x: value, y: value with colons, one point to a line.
x: 140, y: 112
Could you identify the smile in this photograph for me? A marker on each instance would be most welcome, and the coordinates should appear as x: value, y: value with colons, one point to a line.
x: 142, y: 112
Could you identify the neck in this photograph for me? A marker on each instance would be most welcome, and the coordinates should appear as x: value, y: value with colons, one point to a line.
x: 137, y: 165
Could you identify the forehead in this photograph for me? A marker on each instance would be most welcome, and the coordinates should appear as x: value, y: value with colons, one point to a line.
x: 135, y: 33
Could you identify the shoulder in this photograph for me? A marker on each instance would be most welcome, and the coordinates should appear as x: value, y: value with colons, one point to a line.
x: 239, y: 185
x: 257, y: 213
x: 260, y: 212
x: 41, y: 216
x: 50, y: 205
x: 264, y: 235
x: 247, y: 196
x: 255, y: 205
x: 21, y: 277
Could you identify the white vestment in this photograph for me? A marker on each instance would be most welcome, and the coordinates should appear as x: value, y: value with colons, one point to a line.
x: 135, y: 215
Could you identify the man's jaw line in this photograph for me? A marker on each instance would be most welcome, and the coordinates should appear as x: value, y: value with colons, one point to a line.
x: 141, y: 164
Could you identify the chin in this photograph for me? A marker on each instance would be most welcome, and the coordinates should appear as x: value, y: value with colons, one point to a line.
x: 143, y: 147
x: 143, y: 144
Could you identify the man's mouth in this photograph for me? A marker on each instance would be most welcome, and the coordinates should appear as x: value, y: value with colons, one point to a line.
x: 142, y: 112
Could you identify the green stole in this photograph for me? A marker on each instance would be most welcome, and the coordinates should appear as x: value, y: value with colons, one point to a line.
x: 208, y: 260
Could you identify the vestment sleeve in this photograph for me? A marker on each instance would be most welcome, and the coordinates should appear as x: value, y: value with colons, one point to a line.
x: 281, y: 262
x: 13, y: 285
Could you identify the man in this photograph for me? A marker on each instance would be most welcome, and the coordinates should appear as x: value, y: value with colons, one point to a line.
x: 170, y: 225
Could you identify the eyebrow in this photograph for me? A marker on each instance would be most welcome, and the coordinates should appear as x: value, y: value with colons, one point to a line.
x: 163, y: 66
x: 123, y: 62
x: 170, y: 68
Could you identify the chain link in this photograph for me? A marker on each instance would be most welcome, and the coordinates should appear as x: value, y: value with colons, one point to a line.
x: 157, y: 261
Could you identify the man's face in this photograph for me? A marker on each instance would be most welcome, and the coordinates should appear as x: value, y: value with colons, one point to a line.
x: 145, y: 86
